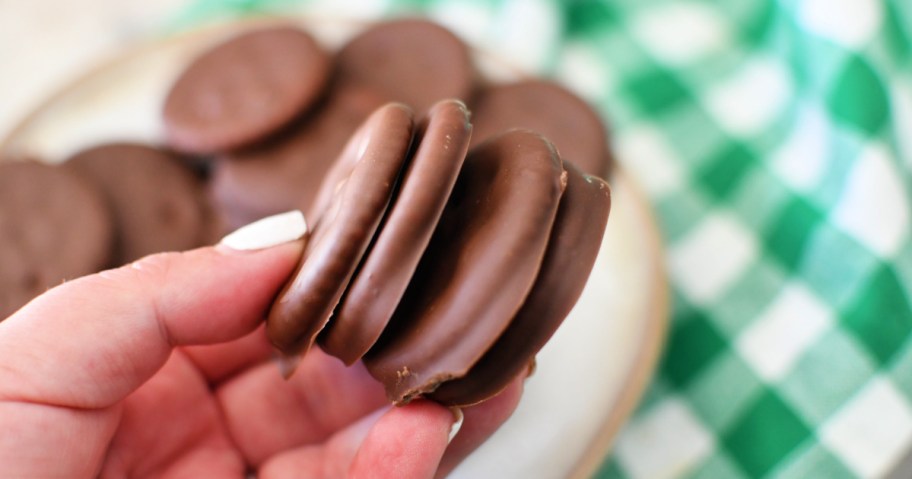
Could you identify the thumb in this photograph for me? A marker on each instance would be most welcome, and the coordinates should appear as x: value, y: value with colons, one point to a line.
x: 90, y: 342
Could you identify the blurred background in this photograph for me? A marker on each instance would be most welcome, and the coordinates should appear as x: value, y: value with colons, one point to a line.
x: 774, y: 140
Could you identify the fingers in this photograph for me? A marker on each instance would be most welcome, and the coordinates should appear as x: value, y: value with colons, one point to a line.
x: 266, y: 414
x: 327, y: 460
x: 171, y: 427
x: 403, y: 442
x: 38, y: 447
x: 219, y: 362
x: 90, y: 342
x: 480, y: 423
x: 408, y: 441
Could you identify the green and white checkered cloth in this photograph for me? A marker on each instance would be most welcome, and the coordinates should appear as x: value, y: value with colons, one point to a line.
x: 774, y: 138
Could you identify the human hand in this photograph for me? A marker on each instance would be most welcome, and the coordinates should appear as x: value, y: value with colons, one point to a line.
x: 161, y: 369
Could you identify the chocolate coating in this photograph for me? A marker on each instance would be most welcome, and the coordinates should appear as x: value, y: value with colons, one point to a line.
x: 478, y: 268
x: 572, y: 249
x: 383, y: 276
x: 53, y: 226
x: 545, y: 107
x: 244, y: 89
x: 416, y: 62
x: 285, y: 172
x: 366, y: 172
x: 156, y: 201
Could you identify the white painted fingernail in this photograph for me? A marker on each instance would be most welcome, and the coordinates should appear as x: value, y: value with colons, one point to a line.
x: 457, y: 423
x: 267, y: 232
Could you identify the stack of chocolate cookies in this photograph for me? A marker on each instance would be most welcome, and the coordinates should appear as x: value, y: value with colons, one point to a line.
x: 448, y: 241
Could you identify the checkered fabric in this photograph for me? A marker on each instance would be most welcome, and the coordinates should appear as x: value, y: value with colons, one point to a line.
x: 774, y: 138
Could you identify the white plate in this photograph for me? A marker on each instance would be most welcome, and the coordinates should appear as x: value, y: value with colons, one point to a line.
x: 590, y: 375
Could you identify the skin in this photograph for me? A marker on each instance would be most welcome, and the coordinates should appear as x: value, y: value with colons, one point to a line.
x: 161, y: 369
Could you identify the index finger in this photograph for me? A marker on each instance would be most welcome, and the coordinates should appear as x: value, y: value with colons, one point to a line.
x: 90, y: 342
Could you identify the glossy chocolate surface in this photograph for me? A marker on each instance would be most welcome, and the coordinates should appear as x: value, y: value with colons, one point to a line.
x: 357, y: 194
x: 478, y: 267
x: 374, y: 293
x: 572, y: 249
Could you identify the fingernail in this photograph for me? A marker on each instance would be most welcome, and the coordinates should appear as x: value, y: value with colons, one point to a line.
x: 267, y: 232
x: 457, y: 423
x: 530, y: 369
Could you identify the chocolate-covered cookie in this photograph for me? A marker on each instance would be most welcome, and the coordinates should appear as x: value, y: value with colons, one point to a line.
x: 549, y: 109
x: 244, y: 89
x: 286, y: 171
x: 356, y: 195
x: 156, y: 200
x: 384, y: 274
x: 416, y: 62
x: 53, y: 226
x: 572, y: 249
x: 478, y: 268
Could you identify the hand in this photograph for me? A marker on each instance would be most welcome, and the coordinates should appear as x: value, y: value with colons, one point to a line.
x: 161, y: 369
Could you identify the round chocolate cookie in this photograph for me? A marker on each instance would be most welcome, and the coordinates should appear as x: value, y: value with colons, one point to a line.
x: 53, y: 226
x: 244, y: 89
x: 356, y: 195
x: 574, y: 244
x: 416, y: 62
x: 383, y: 276
x: 157, y: 202
x: 563, y: 118
x: 285, y: 172
x: 478, y: 268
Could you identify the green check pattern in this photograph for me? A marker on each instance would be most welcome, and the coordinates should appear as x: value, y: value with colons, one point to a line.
x: 774, y: 138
